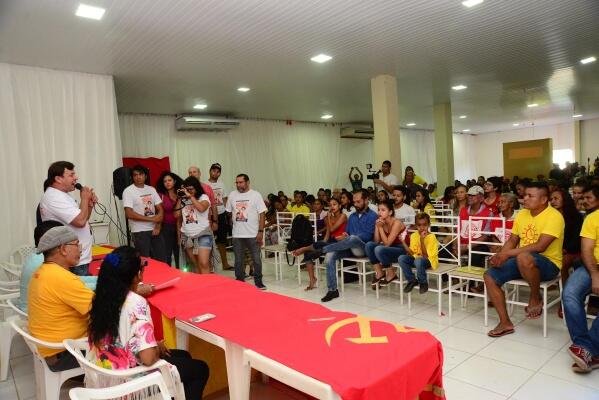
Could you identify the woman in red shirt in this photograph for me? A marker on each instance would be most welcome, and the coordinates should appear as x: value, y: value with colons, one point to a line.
x: 167, y: 186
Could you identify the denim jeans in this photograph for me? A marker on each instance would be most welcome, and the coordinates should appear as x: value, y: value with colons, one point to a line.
x: 352, y: 245
x: 406, y: 263
x: 239, y: 245
x: 80, y: 270
x: 578, y: 286
x: 380, y: 254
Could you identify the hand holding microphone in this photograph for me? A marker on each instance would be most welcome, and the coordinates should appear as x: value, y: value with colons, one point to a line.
x: 87, y: 194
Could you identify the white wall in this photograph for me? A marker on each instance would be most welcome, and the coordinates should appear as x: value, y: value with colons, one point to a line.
x: 589, y: 140
x: 488, y: 154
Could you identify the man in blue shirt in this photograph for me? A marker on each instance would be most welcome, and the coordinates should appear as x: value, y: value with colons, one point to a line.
x: 359, y: 231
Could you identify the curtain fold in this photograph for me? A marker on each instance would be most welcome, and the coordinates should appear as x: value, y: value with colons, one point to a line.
x: 46, y: 116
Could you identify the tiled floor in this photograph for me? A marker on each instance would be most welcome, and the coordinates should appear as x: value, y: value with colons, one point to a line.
x: 521, y: 366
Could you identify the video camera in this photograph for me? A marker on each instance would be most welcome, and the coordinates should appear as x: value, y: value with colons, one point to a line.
x: 373, y: 174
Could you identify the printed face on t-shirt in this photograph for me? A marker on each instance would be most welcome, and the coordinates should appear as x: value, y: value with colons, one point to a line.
x: 218, y: 196
x: 189, y: 215
x: 241, y: 207
x: 146, y: 200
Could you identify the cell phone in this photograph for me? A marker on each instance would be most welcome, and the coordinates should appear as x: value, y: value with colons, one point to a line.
x: 201, y: 318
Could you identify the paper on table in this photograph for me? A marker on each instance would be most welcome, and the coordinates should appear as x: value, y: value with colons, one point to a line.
x: 167, y: 284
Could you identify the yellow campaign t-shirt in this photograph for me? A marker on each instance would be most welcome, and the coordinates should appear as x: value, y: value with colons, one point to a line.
x: 304, y: 209
x: 549, y: 222
x: 431, y: 244
x: 418, y: 180
x: 590, y: 230
x: 59, y: 305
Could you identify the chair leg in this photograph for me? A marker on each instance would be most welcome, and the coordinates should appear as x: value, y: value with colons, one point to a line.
x: 545, y: 311
x: 5, y: 344
x: 341, y: 277
x: 400, y: 286
x: 486, y: 304
x: 299, y: 273
x: 449, y: 290
x: 51, y: 385
x: 439, y: 299
x: 363, y: 278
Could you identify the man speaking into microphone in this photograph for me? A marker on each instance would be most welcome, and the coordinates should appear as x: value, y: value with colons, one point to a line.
x: 57, y: 205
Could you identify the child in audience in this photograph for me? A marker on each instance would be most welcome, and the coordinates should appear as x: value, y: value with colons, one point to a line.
x: 422, y: 253
x: 423, y: 202
x: 346, y: 203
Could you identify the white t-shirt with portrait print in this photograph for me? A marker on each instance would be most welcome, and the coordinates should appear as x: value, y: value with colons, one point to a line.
x: 246, y: 209
x: 143, y: 201
x: 193, y: 220
x: 219, y: 195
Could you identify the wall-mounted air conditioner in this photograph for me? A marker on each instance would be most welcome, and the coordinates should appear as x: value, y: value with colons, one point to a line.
x: 357, y: 132
x: 204, y: 123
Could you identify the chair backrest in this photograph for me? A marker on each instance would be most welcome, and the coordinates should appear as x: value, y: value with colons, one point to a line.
x: 11, y: 304
x: 474, y: 230
x: 9, y: 272
x: 147, y: 383
x: 285, y: 221
x: 6, y: 310
x: 448, y: 233
x: 20, y: 326
x: 20, y: 254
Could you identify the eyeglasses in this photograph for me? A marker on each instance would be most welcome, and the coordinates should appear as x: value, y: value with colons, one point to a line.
x: 79, y: 245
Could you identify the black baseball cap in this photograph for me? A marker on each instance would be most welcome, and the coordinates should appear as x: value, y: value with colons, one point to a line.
x: 216, y: 166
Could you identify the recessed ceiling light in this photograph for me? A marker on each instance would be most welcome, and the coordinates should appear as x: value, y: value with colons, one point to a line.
x: 576, y: 115
x: 321, y: 58
x: 463, y: 116
x: 243, y: 89
x: 411, y: 124
x: 327, y: 116
x: 588, y: 60
x: 466, y: 130
x: 516, y: 124
x: 459, y: 87
x: 90, y: 12
x: 471, y: 3
x: 532, y: 105
x: 200, y: 106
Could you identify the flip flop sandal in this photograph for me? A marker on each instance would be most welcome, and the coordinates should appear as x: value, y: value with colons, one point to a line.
x: 534, y: 312
x: 495, y: 334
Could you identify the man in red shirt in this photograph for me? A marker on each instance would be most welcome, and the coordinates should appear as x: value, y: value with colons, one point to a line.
x: 476, y: 207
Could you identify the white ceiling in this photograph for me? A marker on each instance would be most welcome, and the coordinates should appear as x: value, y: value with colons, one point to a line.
x: 167, y: 55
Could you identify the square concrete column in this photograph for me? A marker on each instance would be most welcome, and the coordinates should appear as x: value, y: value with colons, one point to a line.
x: 385, y: 113
x: 443, y: 145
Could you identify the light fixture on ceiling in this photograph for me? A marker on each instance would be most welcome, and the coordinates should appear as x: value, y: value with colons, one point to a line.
x: 459, y: 87
x: 327, y: 116
x: 321, y: 58
x: 515, y: 124
x: 532, y: 105
x: 243, y: 89
x: 90, y: 12
x: 588, y: 60
x: 471, y: 3
x: 411, y: 124
x: 576, y: 115
x: 200, y: 106
x: 466, y: 130
x: 463, y: 116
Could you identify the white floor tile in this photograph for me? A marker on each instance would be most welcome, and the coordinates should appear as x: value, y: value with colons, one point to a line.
x: 517, y: 353
x: 432, y: 327
x: 560, y: 366
x: 463, y: 340
x: 383, y: 315
x: 458, y: 390
x: 19, y: 347
x: 533, y: 334
x: 491, y: 375
x: 22, y: 369
x: 452, y: 358
x: 548, y: 387
x: 432, y: 314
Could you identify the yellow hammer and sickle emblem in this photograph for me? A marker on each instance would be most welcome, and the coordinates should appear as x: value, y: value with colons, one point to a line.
x: 365, y: 331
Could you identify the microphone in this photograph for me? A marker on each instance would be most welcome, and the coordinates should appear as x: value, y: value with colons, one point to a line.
x: 78, y: 186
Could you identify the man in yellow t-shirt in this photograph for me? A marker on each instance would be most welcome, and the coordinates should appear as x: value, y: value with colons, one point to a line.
x: 533, y: 253
x: 584, y: 281
x: 422, y: 253
x: 59, y: 302
x: 298, y: 205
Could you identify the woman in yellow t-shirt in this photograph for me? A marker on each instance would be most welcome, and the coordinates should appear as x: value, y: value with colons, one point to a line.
x: 423, y: 253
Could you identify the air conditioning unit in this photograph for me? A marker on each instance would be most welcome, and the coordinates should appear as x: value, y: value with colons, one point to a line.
x: 205, y: 123
x: 357, y: 132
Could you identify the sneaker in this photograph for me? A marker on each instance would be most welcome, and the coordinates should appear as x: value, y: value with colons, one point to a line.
x: 331, y: 294
x: 410, y: 286
x: 423, y: 288
x: 260, y: 286
x: 581, y: 357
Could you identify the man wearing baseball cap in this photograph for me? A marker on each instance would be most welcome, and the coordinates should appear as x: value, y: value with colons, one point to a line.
x: 476, y: 208
x: 59, y: 302
x: 220, y: 199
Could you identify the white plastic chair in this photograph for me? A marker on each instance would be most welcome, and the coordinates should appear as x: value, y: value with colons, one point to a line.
x: 11, y: 304
x: 98, y: 377
x: 48, y: 383
x: 20, y: 254
x: 6, y: 332
x: 124, y: 390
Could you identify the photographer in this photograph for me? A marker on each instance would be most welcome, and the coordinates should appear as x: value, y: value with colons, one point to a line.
x: 193, y: 208
x: 357, y: 179
x: 387, y: 181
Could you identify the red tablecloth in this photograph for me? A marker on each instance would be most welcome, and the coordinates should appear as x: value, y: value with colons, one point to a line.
x: 358, y: 357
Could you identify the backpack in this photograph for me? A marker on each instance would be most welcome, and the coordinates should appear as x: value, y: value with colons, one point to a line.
x: 301, y: 233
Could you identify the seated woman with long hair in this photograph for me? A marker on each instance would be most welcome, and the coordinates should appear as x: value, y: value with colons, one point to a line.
x: 422, y: 202
x: 121, y: 332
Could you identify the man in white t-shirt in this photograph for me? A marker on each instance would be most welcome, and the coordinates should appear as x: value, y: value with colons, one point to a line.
x: 248, y: 212
x: 143, y: 209
x: 220, y: 199
x: 387, y: 180
x: 403, y: 212
x: 57, y: 205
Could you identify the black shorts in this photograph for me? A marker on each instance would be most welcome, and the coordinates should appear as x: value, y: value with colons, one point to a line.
x: 224, y: 230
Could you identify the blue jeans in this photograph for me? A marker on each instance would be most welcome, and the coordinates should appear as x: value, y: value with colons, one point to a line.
x: 80, y: 270
x: 406, y: 263
x: 352, y: 245
x: 578, y: 286
x: 239, y: 246
x: 379, y: 254
x: 508, y: 271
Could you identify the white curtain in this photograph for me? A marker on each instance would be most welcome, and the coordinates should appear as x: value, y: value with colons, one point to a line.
x: 46, y: 116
